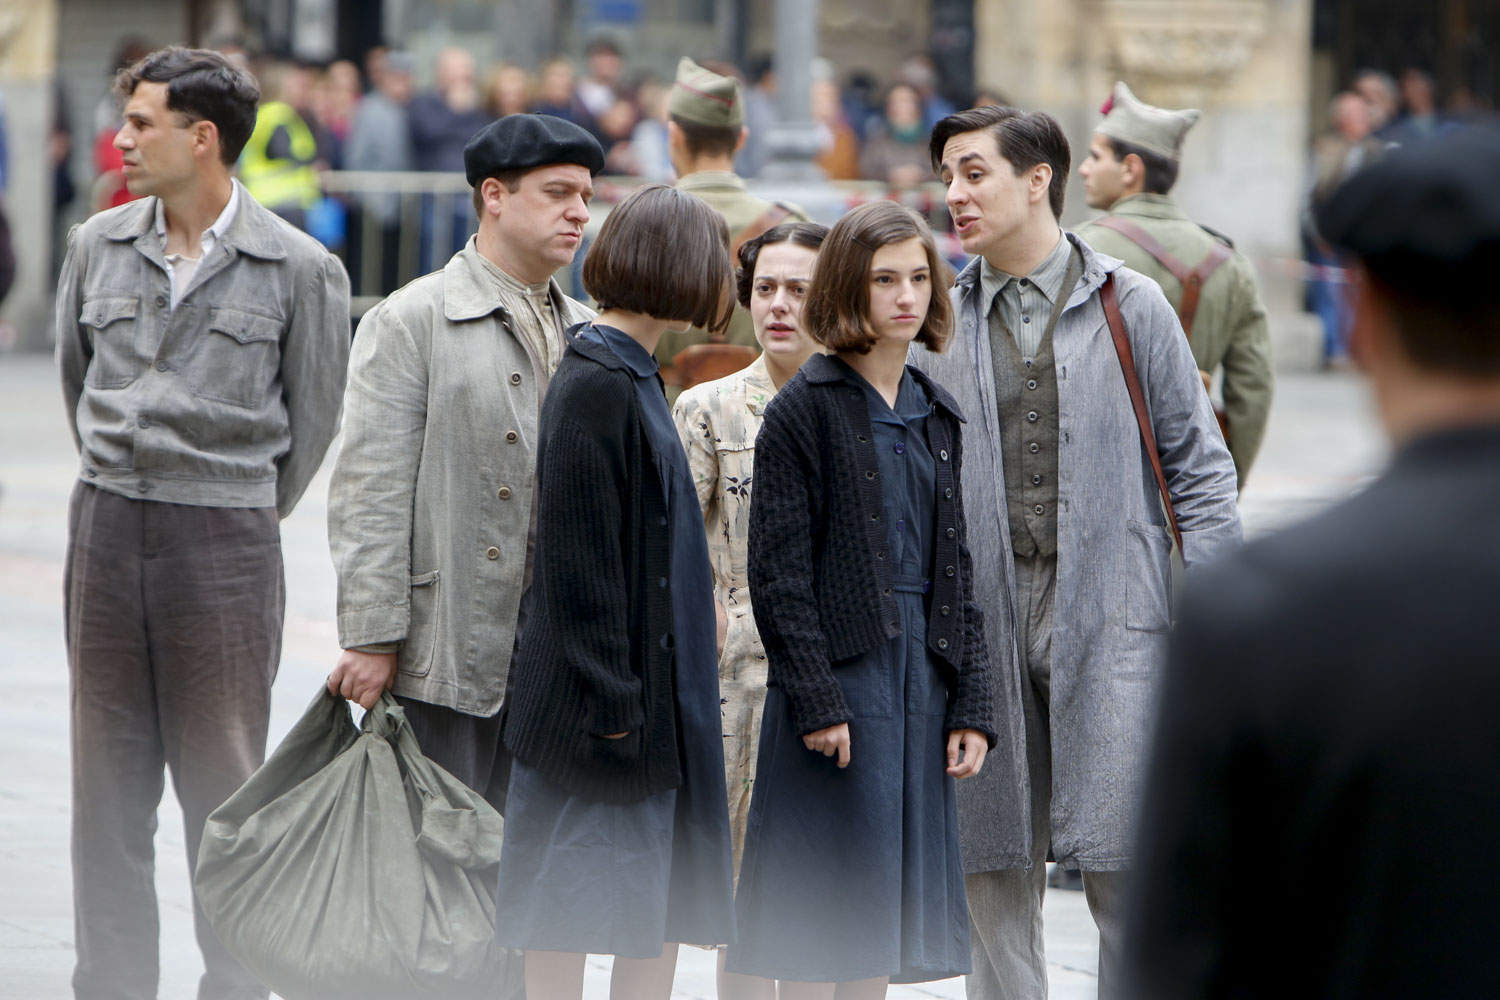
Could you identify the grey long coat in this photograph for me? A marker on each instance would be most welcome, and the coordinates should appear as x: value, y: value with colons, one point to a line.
x: 430, y: 502
x: 1113, y: 599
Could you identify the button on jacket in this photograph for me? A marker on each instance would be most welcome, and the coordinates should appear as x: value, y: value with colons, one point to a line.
x: 228, y: 400
x: 822, y: 595
x: 430, y: 502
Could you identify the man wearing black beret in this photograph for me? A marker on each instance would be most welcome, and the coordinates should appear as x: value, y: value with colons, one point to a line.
x: 1330, y: 705
x: 430, y: 511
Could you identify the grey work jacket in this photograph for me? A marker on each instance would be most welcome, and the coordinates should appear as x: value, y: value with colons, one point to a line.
x: 430, y: 502
x: 1113, y: 599
x: 228, y: 400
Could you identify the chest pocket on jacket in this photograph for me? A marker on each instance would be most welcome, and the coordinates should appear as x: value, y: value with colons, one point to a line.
x: 111, y: 329
x: 238, y: 358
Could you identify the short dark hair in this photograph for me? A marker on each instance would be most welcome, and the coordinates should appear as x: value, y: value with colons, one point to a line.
x: 663, y: 253
x: 803, y: 234
x: 203, y: 85
x: 1456, y: 335
x: 1025, y: 138
x: 707, y: 140
x: 1161, y: 173
x: 510, y: 178
x: 837, y: 309
x: 604, y: 43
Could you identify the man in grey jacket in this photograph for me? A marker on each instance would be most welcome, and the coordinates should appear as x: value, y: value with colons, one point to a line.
x: 1067, y: 530
x: 202, y: 343
x: 430, y: 512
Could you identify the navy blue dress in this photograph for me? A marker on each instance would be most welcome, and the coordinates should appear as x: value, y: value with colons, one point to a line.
x: 855, y: 873
x: 584, y: 876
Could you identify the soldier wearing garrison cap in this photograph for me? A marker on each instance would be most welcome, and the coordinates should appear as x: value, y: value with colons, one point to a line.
x: 1131, y: 166
x: 1332, y: 688
x: 705, y: 125
x: 430, y: 512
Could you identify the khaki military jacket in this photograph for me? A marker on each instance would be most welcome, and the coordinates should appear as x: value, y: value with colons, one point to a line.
x: 1229, y: 329
x: 726, y: 194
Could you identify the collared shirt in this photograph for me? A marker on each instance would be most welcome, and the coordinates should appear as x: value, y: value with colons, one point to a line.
x: 531, y: 310
x: 182, y: 268
x: 1026, y: 303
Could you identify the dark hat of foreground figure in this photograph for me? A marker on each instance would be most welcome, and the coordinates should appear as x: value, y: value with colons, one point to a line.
x: 520, y: 142
x: 1425, y: 219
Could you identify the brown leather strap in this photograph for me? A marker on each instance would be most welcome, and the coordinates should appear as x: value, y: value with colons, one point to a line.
x: 1137, y: 397
x: 1192, y: 279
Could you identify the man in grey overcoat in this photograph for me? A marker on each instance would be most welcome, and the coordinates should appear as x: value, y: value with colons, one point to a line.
x: 1069, y: 536
x: 431, y: 513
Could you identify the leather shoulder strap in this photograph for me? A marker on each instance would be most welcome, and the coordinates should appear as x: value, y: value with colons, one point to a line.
x: 1137, y: 397
x: 1192, y: 279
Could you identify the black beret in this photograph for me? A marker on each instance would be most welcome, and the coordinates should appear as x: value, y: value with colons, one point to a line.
x: 520, y: 142
x: 1425, y: 219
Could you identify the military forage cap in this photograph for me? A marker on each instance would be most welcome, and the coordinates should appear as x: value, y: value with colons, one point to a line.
x: 1425, y: 219
x: 1129, y: 119
x: 703, y: 97
x: 520, y: 142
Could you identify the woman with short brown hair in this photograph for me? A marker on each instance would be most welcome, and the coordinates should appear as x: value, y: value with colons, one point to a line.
x: 879, y: 689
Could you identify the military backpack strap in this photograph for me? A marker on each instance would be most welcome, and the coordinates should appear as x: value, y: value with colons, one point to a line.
x: 1137, y: 397
x: 1192, y: 279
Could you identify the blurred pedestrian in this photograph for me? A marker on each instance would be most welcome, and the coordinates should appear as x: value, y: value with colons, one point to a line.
x: 557, y: 96
x: 1420, y: 119
x: 380, y: 140
x: 1378, y: 89
x: 705, y: 126
x: 616, y: 830
x: 1332, y: 689
x: 895, y: 150
x: 760, y: 116
x: 109, y: 190
x: 279, y: 166
x: 718, y: 422
x: 920, y: 73
x: 442, y: 121
x: 202, y: 343
x: 879, y: 694
x: 336, y: 94
x: 839, y: 157
x: 453, y: 366
x: 648, y: 140
x: 507, y: 90
x: 1337, y: 154
x: 1129, y: 172
x: 599, y: 87
x: 1082, y: 497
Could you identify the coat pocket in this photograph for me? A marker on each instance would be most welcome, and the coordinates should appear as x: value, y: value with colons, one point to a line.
x: 239, y: 358
x: 421, y: 634
x: 111, y: 324
x: 1148, y: 558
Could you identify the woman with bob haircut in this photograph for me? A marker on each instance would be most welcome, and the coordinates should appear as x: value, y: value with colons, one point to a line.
x: 617, y: 832
x: 718, y: 422
x: 879, y: 686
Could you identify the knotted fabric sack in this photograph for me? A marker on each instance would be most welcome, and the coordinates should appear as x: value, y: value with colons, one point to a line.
x: 350, y: 866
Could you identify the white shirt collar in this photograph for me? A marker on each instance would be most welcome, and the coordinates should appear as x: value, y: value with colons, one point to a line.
x: 213, y: 233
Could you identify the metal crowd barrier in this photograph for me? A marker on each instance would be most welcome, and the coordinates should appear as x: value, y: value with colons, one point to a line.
x: 399, y: 226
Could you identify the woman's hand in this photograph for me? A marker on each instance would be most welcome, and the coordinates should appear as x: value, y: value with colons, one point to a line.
x: 830, y: 741
x: 966, y: 750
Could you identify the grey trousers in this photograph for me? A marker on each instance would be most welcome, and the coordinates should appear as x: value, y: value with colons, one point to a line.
x: 1005, y: 907
x: 174, y: 618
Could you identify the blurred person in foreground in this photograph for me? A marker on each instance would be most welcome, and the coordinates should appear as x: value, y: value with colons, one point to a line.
x: 202, y: 342
x: 1130, y: 169
x: 705, y: 126
x: 1072, y: 548
x: 432, y: 545
x: 1331, y: 691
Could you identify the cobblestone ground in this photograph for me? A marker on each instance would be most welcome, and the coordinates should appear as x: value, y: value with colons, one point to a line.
x: 1321, y: 445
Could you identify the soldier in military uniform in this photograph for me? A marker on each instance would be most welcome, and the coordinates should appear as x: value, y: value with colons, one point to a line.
x: 705, y: 126
x: 1132, y: 164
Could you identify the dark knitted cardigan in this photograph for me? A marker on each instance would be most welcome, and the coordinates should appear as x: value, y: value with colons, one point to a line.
x: 819, y: 574
x: 595, y: 657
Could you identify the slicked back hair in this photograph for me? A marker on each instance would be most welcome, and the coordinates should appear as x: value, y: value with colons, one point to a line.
x: 837, y: 310
x: 1161, y: 173
x: 663, y: 253
x: 202, y: 85
x: 803, y: 234
x: 1025, y: 138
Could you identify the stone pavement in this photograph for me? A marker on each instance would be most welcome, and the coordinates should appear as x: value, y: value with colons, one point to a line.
x: 1320, y: 445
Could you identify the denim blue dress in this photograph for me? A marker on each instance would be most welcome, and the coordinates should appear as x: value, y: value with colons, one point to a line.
x: 623, y: 879
x: 855, y: 873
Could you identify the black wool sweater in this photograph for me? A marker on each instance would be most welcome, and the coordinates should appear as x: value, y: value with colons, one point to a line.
x: 595, y: 657
x: 819, y: 575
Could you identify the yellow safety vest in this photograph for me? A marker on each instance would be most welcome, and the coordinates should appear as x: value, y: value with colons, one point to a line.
x: 285, y: 182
